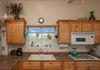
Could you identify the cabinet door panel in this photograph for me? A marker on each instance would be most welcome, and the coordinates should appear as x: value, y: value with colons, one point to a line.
x: 75, y: 26
x: 82, y: 66
x: 96, y: 30
x: 68, y: 66
x: 52, y: 66
x: 94, y: 65
x: 10, y: 32
x: 15, y: 31
x: 64, y: 33
x: 87, y: 26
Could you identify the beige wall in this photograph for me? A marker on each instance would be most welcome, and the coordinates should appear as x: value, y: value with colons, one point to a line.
x: 1, y: 8
x: 52, y: 10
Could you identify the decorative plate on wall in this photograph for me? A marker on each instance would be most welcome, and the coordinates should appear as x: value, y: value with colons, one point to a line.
x: 41, y: 20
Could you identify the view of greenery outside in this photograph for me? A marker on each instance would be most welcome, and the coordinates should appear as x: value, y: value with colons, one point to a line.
x: 41, y: 37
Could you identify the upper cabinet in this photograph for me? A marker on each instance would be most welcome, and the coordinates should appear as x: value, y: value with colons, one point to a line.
x: 65, y: 27
x: 63, y: 32
x: 75, y: 26
x: 15, y: 31
x: 87, y: 26
x: 96, y: 30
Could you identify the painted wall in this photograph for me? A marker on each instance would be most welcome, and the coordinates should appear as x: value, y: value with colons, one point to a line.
x: 1, y: 8
x: 52, y: 10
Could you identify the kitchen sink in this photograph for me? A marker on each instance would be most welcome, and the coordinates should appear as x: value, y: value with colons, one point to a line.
x: 84, y: 57
x: 41, y: 57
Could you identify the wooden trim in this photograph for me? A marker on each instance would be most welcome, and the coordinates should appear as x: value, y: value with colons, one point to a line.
x: 41, y: 25
x: 65, y: 20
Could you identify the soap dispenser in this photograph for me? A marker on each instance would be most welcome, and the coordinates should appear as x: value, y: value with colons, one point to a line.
x: 73, y: 52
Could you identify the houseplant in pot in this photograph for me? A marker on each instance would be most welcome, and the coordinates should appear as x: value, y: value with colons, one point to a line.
x: 15, y: 9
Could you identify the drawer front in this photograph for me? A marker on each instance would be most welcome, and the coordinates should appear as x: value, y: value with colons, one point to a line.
x: 52, y: 68
x: 31, y: 64
x: 29, y: 69
x: 52, y: 64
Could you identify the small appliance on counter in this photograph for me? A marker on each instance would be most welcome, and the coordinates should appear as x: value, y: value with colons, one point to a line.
x: 74, y: 52
x: 19, y: 52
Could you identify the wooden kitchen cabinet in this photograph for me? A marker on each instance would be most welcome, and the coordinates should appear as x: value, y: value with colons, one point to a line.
x: 31, y: 65
x: 96, y: 30
x: 63, y: 32
x: 50, y: 65
x: 65, y: 27
x: 15, y: 31
x: 68, y: 65
x: 82, y: 66
x: 88, y: 65
x: 94, y: 65
x: 87, y: 26
x: 75, y: 26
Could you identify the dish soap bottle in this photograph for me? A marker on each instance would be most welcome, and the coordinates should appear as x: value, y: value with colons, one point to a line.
x: 73, y: 52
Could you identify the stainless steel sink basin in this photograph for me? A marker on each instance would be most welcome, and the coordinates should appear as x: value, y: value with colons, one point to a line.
x: 84, y: 57
x: 41, y: 57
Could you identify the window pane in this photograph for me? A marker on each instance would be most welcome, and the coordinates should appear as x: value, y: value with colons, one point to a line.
x: 34, y: 40
x: 41, y: 37
x: 42, y: 30
x: 48, y: 30
x: 35, y: 29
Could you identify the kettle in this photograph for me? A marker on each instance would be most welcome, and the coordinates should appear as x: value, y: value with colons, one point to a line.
x: 73, y: 52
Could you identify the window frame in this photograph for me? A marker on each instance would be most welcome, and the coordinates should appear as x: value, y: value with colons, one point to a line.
x: 53, y: 26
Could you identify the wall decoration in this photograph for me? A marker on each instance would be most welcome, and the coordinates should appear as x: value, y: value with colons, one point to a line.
x: 41, y: 20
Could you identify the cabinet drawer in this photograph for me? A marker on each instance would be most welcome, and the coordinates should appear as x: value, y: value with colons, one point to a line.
x: 30, y: 64
x: 52, y: 64
x: 29, y: 69
x: 53, y: 69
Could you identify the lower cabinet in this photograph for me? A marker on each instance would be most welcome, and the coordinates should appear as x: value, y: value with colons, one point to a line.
x: 88, y: 65
x: 68, y: 65
x: 52, y: 65
x: 57, y: 65
x: 31, y: 65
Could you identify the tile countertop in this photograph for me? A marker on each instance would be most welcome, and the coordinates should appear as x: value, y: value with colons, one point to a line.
x: 7, y: 62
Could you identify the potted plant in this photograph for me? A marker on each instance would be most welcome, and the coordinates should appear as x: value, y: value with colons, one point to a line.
x: 15, y: 9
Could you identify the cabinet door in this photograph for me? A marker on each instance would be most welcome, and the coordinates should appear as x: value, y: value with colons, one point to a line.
x: 68, y: 66
x: 87, y: 26
x: 64, y: 33
x: 19, y: 32
x: 10, y: 32
x: 96, y: 30
x: 15, y: 32
x: 52, y: 66
x: 75, y: 26
x: 82, y: 66
x: 94, y: 65
x: 31, y: 66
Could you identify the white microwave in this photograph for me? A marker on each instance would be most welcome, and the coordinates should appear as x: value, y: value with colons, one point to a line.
x: 82, y: 38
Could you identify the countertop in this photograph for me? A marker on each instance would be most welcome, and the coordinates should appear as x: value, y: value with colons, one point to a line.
x: 9, y: 61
